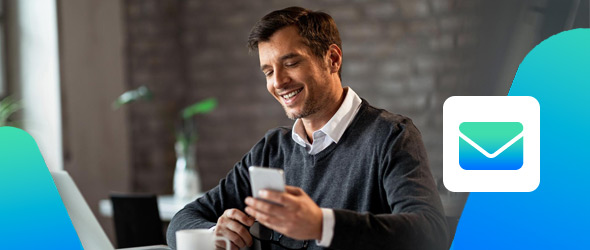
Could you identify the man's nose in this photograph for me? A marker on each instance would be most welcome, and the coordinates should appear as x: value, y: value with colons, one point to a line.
x: 280, y: 79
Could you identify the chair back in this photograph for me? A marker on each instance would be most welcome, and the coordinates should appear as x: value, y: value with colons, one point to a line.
x: 137, y: 220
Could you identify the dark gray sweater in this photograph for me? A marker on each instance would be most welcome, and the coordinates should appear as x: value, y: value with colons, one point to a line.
x: 376, y: 179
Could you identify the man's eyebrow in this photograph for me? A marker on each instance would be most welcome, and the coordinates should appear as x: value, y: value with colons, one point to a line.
x: 282, y: 58
x: 288, y: 56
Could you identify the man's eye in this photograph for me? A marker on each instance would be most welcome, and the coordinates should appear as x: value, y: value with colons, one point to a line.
x: 268, y: 73
x: 290, y: 64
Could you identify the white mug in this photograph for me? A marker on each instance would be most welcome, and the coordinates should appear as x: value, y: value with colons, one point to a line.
x: 198, y: 239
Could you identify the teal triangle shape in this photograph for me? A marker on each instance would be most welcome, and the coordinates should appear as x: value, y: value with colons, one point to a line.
x: 32, y: 213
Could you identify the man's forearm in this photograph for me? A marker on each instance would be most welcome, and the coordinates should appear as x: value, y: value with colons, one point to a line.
x: 420, y: 230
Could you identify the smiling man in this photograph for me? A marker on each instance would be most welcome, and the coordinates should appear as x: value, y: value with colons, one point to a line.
x: 307, y: 88
x: 357, y: 176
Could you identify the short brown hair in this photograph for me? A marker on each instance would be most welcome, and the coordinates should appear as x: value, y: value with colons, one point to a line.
x: 317, y: 28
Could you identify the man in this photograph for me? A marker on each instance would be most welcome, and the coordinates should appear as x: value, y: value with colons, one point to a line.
x: 358, y: 176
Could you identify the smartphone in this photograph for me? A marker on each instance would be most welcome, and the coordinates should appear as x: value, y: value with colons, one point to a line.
x: 266, y: 178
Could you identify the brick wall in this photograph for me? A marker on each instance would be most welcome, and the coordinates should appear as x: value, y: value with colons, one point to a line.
x: 405, y: 56
x: 154, y: 58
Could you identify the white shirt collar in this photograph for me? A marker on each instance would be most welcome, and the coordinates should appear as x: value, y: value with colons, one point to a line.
x: 333, y: 129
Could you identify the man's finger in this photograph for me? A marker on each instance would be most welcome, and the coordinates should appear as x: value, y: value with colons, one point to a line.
x: 294, y: 190
x: 232, y: 236
x: 241, y: 231
x: 252, y: 212
x: 265, y: 207
x: 238, y: 215
x: 282, y: 198
x: 265, y: 219
x: 220, y: 245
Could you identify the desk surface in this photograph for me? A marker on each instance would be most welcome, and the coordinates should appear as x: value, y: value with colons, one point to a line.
x: 167, y: 204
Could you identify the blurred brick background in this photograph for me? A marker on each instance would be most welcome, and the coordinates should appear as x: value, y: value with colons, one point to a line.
x: 405, y: 56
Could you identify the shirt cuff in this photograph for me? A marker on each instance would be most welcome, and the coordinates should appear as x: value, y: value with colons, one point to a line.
x: 327, y: 227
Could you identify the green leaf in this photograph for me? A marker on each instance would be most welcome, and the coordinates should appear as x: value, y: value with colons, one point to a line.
x: 201, y: 107
x: 141, y: 93
x: 8, y: 106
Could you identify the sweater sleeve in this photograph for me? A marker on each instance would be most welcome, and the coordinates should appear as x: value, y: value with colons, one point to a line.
x: 416, y: 220
x: 204, y: 212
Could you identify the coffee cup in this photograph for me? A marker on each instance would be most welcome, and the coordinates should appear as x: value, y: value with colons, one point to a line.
x: 198, y: 239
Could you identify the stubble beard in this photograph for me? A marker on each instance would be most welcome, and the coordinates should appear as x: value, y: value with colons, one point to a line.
x: 310, y: 107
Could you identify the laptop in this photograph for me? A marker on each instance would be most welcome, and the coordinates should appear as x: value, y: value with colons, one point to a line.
x: 86, y: 225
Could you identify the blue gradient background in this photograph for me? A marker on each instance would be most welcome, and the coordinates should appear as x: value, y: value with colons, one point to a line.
x: 31, y: 212
x: 557, y: 214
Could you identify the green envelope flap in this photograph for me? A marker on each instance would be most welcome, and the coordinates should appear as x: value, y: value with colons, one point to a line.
x: 491, y: 136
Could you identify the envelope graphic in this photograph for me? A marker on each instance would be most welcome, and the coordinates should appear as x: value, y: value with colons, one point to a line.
x: 491, y: 145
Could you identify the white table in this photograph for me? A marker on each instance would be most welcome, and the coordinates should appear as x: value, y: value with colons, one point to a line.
x: 167, y: 205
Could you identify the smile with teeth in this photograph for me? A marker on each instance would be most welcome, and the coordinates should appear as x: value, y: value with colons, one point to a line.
x: 291, y: 94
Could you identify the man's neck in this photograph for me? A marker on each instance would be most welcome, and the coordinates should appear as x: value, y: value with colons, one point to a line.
x: 316, y: 121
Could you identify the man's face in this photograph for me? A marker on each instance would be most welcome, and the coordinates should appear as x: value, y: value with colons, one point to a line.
x: 298, y: 79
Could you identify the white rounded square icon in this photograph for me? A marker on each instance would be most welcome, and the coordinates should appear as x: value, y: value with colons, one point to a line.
x: 491, y: 144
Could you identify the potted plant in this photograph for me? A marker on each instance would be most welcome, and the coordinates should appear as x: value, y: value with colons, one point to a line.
x: 187, y: 182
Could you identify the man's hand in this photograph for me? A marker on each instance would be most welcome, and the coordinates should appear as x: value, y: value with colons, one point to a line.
x: 298, y: 217
x: 232, y: 225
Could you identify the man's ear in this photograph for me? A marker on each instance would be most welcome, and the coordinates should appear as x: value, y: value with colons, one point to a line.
x: 334, y: 56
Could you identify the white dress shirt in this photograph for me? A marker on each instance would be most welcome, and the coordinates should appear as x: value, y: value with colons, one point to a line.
x: 324, y: 137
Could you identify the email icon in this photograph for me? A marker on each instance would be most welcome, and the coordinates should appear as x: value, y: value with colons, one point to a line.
x: 491, y: 145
